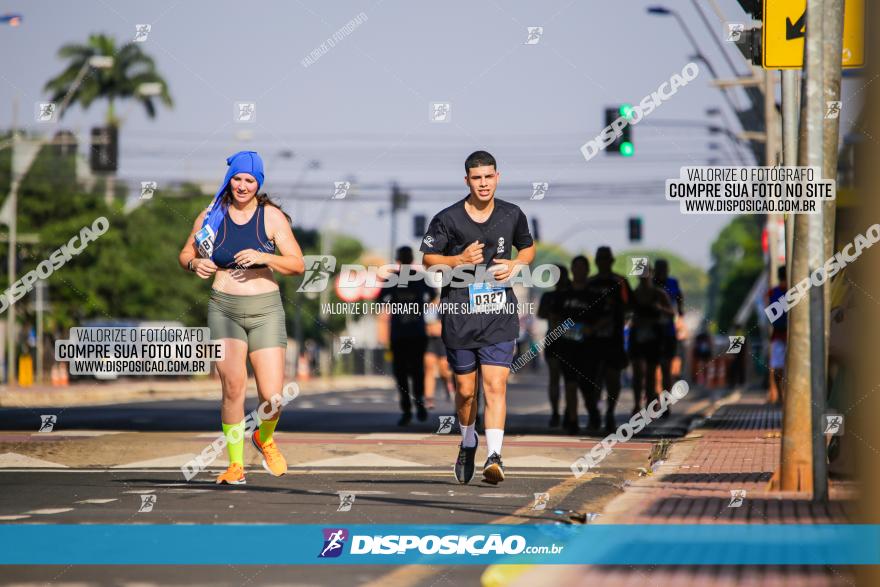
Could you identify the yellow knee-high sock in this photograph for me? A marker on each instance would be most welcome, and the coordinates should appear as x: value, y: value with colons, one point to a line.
x: 235, y: 442
x: 267, y: 429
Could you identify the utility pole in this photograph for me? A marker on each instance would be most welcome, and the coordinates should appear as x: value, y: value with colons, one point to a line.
x: 399, y: 201
x: 832, y: 70
x: 771, y: 153
x: 790, y: 117
x: 815, y: 103
x: 803, y: 465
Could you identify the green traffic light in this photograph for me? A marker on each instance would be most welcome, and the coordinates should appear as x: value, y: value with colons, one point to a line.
x: 627, y: 149
x: 626, y: 111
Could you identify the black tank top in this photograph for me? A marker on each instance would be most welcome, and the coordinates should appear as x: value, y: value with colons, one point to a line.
x: 232, y: 238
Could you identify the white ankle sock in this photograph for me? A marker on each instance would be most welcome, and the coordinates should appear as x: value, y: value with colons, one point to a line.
x: 468, y: 435
x: 494, y: 438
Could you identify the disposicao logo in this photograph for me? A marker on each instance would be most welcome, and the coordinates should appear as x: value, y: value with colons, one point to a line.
x: 334, y: 541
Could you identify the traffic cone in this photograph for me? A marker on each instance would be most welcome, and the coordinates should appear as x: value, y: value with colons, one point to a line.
x: 64, y: 377
x: 302, y: 368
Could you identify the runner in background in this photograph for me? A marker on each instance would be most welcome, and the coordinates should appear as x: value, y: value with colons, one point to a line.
x: 574, y: 304
x: 435, y: 358
x: 778, y: 339
x: 408, y: 336
x: 669, y: 345
x: 606, y: 357
x: 650, y: 306
x: 547, y: 311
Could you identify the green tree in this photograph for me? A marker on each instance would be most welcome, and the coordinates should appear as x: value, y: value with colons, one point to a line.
x: 737, y: 261
x: 130, y: 70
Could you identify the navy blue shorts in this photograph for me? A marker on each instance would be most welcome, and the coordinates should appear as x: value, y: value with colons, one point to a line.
x: 465, y: 361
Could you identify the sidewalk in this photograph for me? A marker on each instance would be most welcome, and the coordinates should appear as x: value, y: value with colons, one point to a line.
x: 737, y: 448
x: 94, y: 393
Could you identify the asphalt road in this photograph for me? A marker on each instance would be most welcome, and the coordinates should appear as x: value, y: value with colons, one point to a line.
x: 99, y: 462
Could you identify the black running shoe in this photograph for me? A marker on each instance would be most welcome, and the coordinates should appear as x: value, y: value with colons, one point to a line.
x: 405, y: 419
x: 554, y: 421
x: 493, y: 470
x: 421, y: 413
x: 610, y: 423
x: 464, y: 465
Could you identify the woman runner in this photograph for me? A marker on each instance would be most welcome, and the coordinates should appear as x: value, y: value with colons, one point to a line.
x: 235, y: 239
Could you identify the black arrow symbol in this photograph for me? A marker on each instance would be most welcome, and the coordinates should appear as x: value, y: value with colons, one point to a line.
x: 796, y: 30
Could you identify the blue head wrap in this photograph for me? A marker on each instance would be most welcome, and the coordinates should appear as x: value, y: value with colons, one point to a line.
x: 242, y: 162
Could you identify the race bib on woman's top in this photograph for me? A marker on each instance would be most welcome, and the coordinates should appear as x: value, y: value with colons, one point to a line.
x: 486, y: 298
x: 205, y: 241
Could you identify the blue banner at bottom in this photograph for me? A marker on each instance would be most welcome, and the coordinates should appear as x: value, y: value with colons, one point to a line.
x: 358, y: 544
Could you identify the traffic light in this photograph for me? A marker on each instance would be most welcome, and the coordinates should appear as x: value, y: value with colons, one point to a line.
x: 754, y: 8
x: 419, y: 225
x: 399, y: 199
x: 105, y: 149
x: 635, y: 229
x: 623, y: 143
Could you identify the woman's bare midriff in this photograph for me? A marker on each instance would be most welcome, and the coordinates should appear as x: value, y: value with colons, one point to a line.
x: 244, y: 282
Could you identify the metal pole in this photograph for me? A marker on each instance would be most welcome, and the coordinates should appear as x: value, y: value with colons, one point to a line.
x: 815, y: 104
x: 796, y: 463
x: 713, y: 32
x: 10, y: 267
x: 790, y: 115
x: 833, y: 49
x: 770, y: 158
x: 395, y: 190
x: 41, y: 288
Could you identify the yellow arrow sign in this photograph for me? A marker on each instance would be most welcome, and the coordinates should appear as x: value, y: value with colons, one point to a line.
x: 785, y: 24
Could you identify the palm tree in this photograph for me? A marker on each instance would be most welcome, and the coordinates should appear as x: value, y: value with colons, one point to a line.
x: 130, y: 70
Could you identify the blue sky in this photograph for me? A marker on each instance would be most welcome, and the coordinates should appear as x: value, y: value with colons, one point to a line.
x: 362, y: 109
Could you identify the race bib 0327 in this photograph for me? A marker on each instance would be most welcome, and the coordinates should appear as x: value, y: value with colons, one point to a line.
x: 486, y: 298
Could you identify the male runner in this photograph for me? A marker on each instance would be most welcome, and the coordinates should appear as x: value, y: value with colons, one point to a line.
x: 669, y: 345
x: 606, y: 357
x: 481, y: 330
x: 408, y: 337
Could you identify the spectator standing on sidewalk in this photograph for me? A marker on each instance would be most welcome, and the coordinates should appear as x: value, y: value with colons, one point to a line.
x: 778, y: 339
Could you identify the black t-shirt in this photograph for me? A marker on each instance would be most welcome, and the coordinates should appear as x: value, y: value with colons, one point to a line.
x: 451, y: 231
x: 408, y: 321
x: 612, y: 296
x: 577, y: 305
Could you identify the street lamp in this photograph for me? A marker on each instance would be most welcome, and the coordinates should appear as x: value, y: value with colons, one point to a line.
x: 663, y: 11
x: 96, y: 61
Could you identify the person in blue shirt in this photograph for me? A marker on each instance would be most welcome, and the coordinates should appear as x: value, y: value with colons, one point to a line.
x: 669, y: 340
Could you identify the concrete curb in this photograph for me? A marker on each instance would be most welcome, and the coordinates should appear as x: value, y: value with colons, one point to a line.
x: 96, y: 394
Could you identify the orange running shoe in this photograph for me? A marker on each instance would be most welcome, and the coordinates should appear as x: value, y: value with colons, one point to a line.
x: 234, y: 475
x: 273, y: 460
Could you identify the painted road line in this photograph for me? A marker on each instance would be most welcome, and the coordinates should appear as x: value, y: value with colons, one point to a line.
x: 13, y: 518
x: 426, y: 472
x: 169, y: 461
x: 49, y: 511
x: 97, y: 501
x: 77, y: 433
x: 368, y: 459
x: 411, y: 575
x: 15, y: 460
